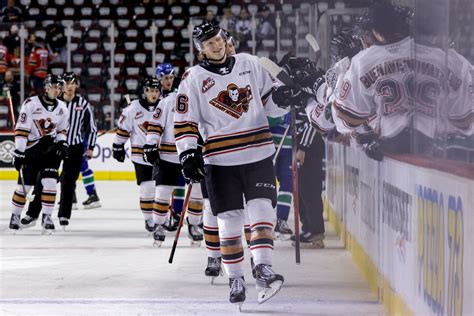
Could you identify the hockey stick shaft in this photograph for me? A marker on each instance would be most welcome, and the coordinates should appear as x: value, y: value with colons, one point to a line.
x: 281, y: 144
x: 294, y: 172
x: 180, y: 224
x: 12, y: 115
x: 313, y: 43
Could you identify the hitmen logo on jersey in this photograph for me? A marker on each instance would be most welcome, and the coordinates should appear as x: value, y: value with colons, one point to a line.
x: 45, y: 126
x: 233, y: 101
x: 143, y: 127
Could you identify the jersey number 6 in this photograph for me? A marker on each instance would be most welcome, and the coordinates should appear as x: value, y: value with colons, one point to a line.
x: 182, y: 103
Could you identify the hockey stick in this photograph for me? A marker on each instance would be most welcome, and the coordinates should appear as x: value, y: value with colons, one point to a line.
x: 180, y: 224
x: 277, y: 72
x: 127, y: 99
x: 281, y: 144
x: 22, y: 178
x: 294, y: 173
x: 313, y: 43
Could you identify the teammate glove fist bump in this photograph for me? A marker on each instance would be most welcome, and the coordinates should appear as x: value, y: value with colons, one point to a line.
x: 193, y: 165
x: 18, y: 159
x: 62, y: 150
x: 150, y: 153
x: 118, y: 152
x: 285, y: 96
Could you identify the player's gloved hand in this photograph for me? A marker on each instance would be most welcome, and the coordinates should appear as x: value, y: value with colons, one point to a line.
x: 19, y: 159
x: 374, y: 151
x: 366, y: 137
x: 62, y: 150
x: 285, y: 96
x: 118, y: 152
x: 150, y: 153
x: 193, y: 165
x: 328, y: 113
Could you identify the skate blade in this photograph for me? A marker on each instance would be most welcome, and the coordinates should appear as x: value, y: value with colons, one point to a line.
x: 212, y: 280
x: 196, y: 243
x: 240, y: 306
x: 47, y: 232
x: 14, y: 231
x: 157, y: 243
x: 283, y: 237
x: 267, y: 293
x: 74, y: 207
x: 63, y: 228
x: 92, y: 205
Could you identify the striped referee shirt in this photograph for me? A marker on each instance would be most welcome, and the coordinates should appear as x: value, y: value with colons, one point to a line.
x: 81, y: 122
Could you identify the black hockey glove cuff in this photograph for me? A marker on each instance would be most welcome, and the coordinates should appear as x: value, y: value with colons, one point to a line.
x: 374, y: 151
x: 286, y: 96
x: 193, y: 165
x: 62, y: 150
x: 150, y: 153
x: 118, y: 152
x: 19, y: 159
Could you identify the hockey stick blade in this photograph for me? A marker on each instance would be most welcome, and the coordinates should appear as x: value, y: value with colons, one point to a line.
x: 276, y: 71
x: 312, y: 42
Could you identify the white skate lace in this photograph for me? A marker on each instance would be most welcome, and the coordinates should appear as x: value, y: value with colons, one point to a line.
x: 237, y: 285
x: 214, y: 262
x: 284, y: 225
x: 16, y: 219
x: 266, y: 270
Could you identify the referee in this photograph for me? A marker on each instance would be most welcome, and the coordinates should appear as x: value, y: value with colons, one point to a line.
x: 81, y: 122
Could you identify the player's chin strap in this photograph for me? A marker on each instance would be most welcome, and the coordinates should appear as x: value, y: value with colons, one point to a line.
x: 48, y: 100
x: 216, y: 61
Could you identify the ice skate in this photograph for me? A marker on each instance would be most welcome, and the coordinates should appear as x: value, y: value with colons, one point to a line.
x: 158, y: 236
x: 47, y: 224
x: 282, y: 230
x: 252, y: 266
x: 172, y: 221
x: 28, y: 221
x: 237, y: 291
x: 92, y: 202
x: 14, y: 222
x: 214, y: 268
x: 268, y: 283
x: 195, y: 234
x: 311, y: 241
x: 150, y: 225
x: 63, y: 221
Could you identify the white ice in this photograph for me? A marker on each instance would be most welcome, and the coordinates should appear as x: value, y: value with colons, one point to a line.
x: 104, y: 264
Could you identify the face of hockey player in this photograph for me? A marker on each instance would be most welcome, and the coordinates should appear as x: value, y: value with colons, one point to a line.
x: 70, y: 88
x: 367, y: 39
x: 152, y: 95
x: 167, y: 82
x: 53, y: 91
x: 215, y: 48
x: 230, y: 48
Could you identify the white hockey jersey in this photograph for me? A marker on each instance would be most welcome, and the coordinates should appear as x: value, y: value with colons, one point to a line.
x: 37, y: 120
x: 400, y: 90
x: 161, y: 129
x: 228, y: 106
x: 133, y: 123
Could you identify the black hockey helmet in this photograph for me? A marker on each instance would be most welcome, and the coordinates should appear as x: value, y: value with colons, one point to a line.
x: 151, y: 83
x: 343, y: 45
x: 70, y: 77
x: 51, y: 80
x: 204, y: 32
x: 385, y: 19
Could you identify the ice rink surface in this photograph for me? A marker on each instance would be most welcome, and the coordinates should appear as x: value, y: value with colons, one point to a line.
x: 104, y: 264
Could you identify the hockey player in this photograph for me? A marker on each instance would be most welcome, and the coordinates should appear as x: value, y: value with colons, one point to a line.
x: 165, y: 73
x: 132, y: 125
x: 226, y: 99
x: 41, y: 131
x: 160, y: 149
x: 81, y: 120
x: 211, y: 228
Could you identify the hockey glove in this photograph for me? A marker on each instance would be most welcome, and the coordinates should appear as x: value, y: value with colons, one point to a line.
x: 118, y: 152
x: 374, y: 151
x: 19, y: 159
x: 150, y: 153
x: 286, y: 96
x: 62, y: 150
x: 193, y: 165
